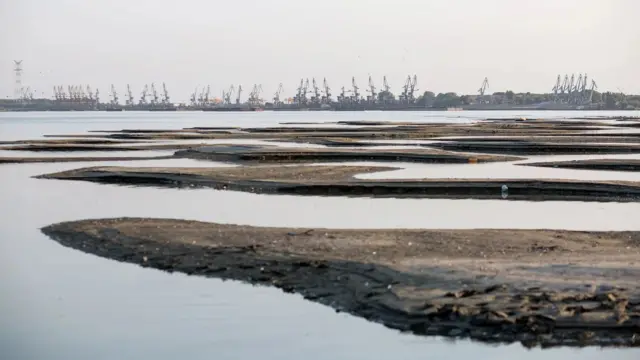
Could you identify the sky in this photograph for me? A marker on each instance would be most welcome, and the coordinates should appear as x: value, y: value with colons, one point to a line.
x: 450, y: 45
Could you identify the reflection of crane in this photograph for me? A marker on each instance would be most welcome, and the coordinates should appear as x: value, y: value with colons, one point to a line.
x: 372, y: 91
x: 276, y: 96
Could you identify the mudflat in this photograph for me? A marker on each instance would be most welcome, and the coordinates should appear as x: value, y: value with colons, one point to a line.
x: 336, y: 180
x: 538, y: 287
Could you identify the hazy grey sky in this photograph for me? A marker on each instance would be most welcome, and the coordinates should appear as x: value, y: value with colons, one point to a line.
x: 451, y: 45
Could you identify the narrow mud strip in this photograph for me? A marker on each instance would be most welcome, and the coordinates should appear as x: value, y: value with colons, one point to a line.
x: 489, y: 285
x: 338, y: 181
x: 532, y: 148
x: 263, y: 154
x: 27, y: 160
x: 592, y: 164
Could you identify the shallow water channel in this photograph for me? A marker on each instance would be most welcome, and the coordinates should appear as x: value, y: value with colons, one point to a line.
x: 59, y: 303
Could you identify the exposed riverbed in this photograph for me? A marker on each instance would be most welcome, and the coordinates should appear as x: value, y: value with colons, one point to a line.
x: 64, y: 304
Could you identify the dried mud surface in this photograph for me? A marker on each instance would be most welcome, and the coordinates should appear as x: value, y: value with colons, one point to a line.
x: 537, y: 287
x: 339, y: 181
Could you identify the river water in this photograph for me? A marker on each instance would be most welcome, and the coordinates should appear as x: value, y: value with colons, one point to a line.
x: 59, y: 303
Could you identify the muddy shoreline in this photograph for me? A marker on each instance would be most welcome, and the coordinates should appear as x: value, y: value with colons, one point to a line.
x: 340, y: 181
x: 429, y: 282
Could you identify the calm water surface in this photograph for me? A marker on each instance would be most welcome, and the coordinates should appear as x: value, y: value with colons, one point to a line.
x: 63, y: 304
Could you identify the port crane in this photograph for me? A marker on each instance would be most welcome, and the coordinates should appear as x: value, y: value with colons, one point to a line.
x: 483, y: 90
x: 89, y: 93
x: 316, y: 92
x: 372, y: 91
x: 154, y: 94
x: 413, y: 89
x: 165, y: 95
x: 356, y: 94
x: 483, y: 87
x: 254, y: 96
x: 326, y: 98
x: 226, y: 96
x: 239, y: 94
x: 129, y: 101
x: 385, y: 94
x: 114, y: 95
x: 143, y: 95
x: 276, y: 96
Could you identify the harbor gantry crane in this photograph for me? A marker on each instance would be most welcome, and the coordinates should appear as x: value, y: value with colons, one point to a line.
x: 385, y: 95
x: 114, y: 96
x: 342, y: 98
x: 254, y: 96
x: 194, y: 97
x: 276, y: 96
x: 483, y: 91
x: 298, y: 97
x: 326, y: 94
x: 557, y: 88
x: 226, y: 96
x: 239, y: 94
x: 166, y: 100
x: 483, y: 87
x: 89, y: 94
x: 143, y: 95
x: 316, y: 92
x: 305, y: 90
x: 97, y: 97
x: 406, y: 88
x: 385, y: 84
x: 413, y: 89
x: 130, y: 100
x: 356, y: 93
x: 594, y: 87
x: 200, y: 97
x: 154, y: 94
x: 372, y: 91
